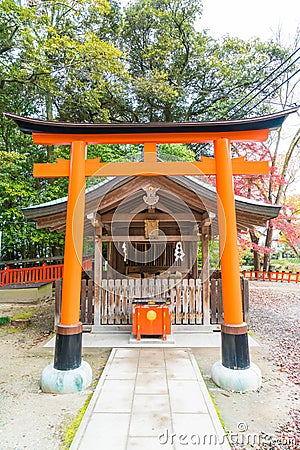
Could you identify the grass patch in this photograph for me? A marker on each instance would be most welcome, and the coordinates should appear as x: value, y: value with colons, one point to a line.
x: 24, y: 315
x: 4, y: 320
x: 9, y: 330
x: 283, y: 261
x: 71, y: 429
x: 217, y: 410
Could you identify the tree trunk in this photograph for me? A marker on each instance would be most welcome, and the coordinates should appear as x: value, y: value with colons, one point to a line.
x: 57, y: 251
x: 256, y: 256
x: 268, y: 243
x: 49, y: 113
x: 293, y: 146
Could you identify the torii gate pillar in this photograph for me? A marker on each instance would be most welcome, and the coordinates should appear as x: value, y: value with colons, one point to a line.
x: 69, y: 373
x: 234, y: 372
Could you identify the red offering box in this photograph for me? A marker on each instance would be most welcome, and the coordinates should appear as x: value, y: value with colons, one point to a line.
x: 151, y: 320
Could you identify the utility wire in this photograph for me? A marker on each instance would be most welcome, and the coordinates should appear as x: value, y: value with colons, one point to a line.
x: 268, y: 84
x: 198, y: 153
x: 263, y: 81
x: 270, y: 93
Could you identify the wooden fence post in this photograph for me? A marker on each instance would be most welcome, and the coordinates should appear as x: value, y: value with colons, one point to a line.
x: 58, y: 291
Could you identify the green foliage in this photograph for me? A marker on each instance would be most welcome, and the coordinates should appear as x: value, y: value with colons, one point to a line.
x: 4, y: 320
x: 90, y: 61
x: 214, y: 253
x: 175, y: 152
x: 182, y: 74
x: 246, y: 257
x: 20, y: 238
x: 43, y: 49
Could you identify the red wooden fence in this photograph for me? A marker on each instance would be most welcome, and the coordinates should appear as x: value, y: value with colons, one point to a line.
x: 46, y: 273
x: 271, y: 276
x: 42, y: 274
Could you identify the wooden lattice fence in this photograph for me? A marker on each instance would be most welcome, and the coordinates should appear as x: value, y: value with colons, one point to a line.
x: 185, y: 297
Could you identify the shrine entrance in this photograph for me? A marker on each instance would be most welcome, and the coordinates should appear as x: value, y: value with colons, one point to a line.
x: 235, y: 368
x: 131, y: 260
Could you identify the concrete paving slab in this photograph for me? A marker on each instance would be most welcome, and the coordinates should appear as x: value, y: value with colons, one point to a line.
x: 127, y: 353
x: 144, y: 424
x: 186, y: 397
x: 195, y: 430
x: 180, y: 369
x: 151, y: 410
x: 116, y: 396
x: 151, y: 402
x: 148, y: 383
x: 146, y: 443
x: 107, y: 431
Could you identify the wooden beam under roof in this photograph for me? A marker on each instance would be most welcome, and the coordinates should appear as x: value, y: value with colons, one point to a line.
x: 195, y: 194
x: 140, y: 217
x: 160, y: 239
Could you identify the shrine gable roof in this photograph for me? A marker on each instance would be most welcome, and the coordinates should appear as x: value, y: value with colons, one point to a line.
x: 110, y: 192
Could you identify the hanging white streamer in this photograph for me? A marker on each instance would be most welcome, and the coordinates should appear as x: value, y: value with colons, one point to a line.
x: 124, y: 247
x: 179, y: 253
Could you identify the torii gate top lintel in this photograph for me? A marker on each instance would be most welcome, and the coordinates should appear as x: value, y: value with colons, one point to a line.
x: 149, y: 134
x: 49, y: 132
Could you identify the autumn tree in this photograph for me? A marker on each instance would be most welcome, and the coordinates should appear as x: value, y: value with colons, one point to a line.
x: 290, y: 234
x: 284, y: 167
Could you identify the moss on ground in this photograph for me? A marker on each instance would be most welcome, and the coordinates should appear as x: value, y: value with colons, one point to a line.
x: 69, y: 432
x: 27, y: 314
x: 217, y: 409
x: 209, y: 383
x: 69, y: 429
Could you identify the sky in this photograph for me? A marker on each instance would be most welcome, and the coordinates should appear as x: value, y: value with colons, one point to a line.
x: 254, y: 18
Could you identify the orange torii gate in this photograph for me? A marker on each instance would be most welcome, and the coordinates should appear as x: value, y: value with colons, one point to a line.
x: 69, y: 373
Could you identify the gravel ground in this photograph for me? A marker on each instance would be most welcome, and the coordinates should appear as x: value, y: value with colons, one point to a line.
x: 267, y: 419
x: 276, y: 320
x: 30, y: 419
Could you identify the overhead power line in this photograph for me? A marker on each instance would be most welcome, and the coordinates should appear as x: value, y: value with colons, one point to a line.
x: 274, y: 90
x: 268, y: 84
x: 274, y: 72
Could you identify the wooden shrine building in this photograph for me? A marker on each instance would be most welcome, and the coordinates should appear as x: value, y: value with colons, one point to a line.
x: 146, y: 232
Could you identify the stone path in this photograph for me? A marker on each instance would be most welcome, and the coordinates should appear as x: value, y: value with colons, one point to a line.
x: 150, y: 399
